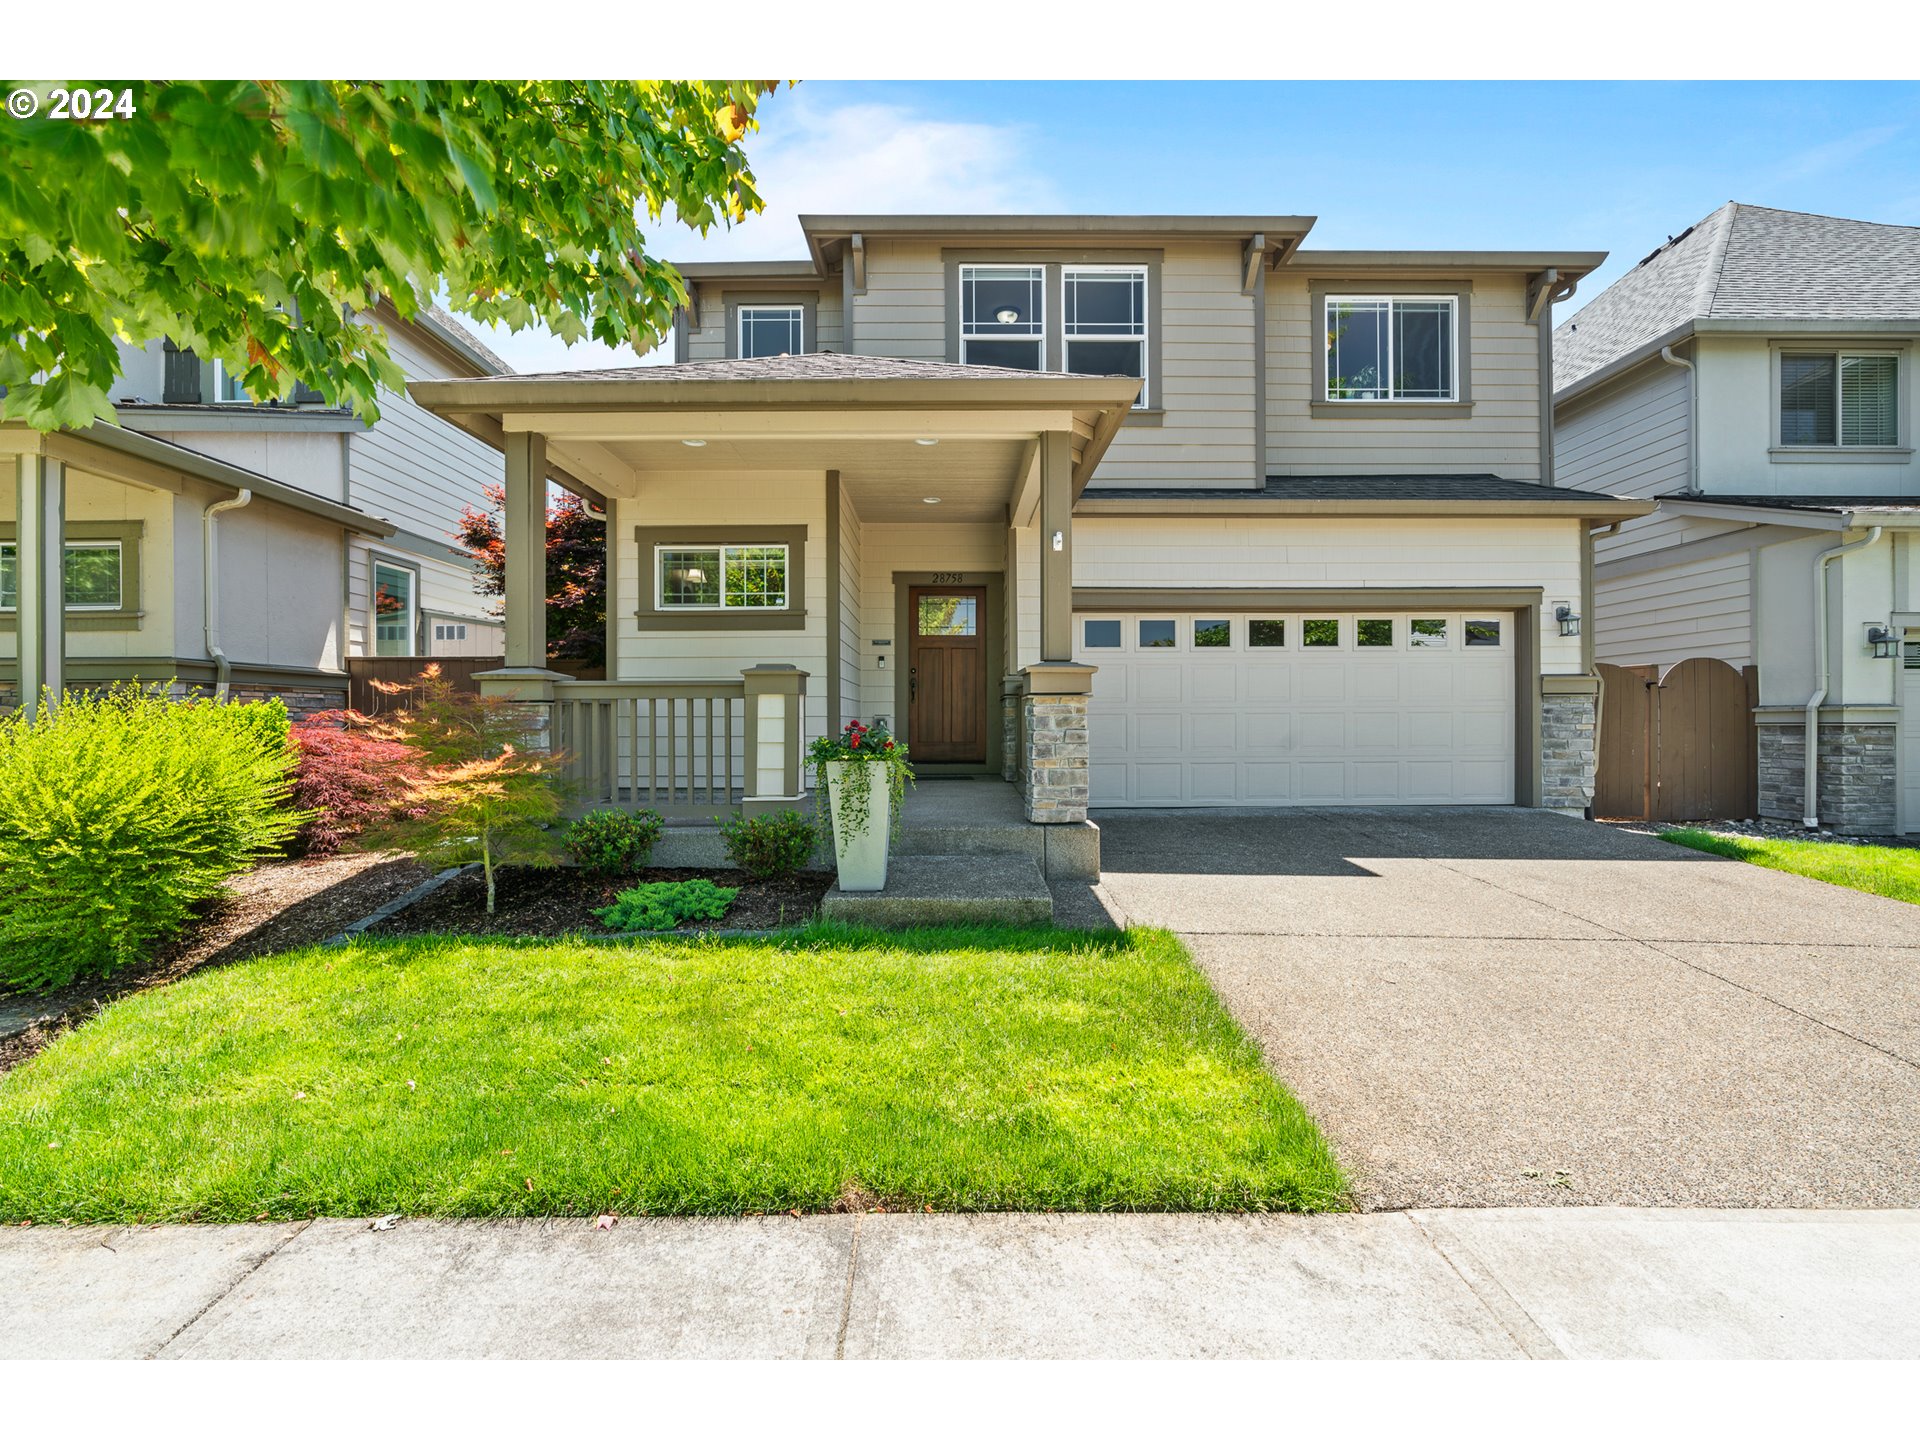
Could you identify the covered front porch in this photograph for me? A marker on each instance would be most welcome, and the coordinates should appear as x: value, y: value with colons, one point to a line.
x: 799, y: 542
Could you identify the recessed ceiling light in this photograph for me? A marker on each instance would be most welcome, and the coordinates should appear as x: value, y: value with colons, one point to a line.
x: 929, y: 440
x: 929, y: 499
x: 693, y: 444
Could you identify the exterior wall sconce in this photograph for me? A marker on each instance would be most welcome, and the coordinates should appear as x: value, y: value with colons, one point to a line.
x: 1884, y: 643
x: 1059, y: 541
x: 1569, y: 622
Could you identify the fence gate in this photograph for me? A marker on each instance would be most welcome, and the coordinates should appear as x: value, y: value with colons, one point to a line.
x: 1678, y: 746
x: 363, y: 670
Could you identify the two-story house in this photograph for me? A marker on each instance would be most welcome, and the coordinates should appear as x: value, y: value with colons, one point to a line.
x: 1755, y: 375
x: 246, y: 548
x: 1137, y: 510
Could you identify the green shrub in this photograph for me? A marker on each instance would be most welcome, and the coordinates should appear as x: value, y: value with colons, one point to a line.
x: 119, y: 812
x: 266, y: 721
x: 663, y: 904
x: 613, y: 842
x: 770, y: 845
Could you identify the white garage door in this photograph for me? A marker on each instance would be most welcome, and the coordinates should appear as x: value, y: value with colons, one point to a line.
x: 1300, y: 709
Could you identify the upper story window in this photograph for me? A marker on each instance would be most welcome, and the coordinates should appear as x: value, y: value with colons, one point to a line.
x: 1003, y: 316
x: 1834, y: 398
x: 1392, y: 348
x: 767, y: 330
x: 721, y: 577
x: 1104, y: 321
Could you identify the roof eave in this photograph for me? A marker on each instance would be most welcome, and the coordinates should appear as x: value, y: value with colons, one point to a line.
x: 824, y: 230
x: 1599, y: 507
x: 500, y: 397
x: 1837, y: 519
x: 1572, y: 264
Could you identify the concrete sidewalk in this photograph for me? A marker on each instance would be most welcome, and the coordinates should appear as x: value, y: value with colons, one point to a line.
x: 1547, y: 1283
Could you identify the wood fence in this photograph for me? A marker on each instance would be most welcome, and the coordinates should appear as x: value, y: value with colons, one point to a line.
x: 363, y: 670
x: 1678, y: 746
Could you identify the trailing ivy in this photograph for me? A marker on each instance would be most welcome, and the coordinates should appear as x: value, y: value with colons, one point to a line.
x: 861, y: 745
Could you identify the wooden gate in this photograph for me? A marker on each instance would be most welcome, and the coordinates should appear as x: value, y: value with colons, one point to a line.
x: 1678, y: 746
x: 363, y: 670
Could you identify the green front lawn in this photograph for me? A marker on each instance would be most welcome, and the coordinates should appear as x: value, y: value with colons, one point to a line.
x: 1891, y: 870
x: 433, y: 1076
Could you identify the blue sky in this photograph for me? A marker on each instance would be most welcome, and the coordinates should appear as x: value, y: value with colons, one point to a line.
x: 1614, y: 167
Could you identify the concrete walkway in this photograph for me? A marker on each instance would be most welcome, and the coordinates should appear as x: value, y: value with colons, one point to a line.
x: 1596, y: 1283
x: 1507, y: 1007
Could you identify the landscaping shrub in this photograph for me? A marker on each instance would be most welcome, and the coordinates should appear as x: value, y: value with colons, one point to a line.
x: 266, y: 720
x: 120, y: 811
x: 613, y: 842
x: 663, y: 904
x: 770, y: 845
x: 348, y: 778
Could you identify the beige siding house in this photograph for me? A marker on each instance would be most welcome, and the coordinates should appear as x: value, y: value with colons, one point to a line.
x: 248, y: 548
x: 1128, y: 511
x: 1755, y: 375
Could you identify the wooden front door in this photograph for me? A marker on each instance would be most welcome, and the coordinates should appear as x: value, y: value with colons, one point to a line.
x: 947, y: 674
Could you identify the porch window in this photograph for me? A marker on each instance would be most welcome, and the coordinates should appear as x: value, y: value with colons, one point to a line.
x: 1003, y: 319
x: 721, y: 577
x: 772, y: 330
x: 1838, y: 399
x: 1390, y: 348
x: 1105, y: 322
x: 92, y: 579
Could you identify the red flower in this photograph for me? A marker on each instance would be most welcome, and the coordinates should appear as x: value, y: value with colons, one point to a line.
x: 856, y: 742
x: 889, y: 745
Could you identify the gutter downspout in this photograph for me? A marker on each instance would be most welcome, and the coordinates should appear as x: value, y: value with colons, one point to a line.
x: 1693, y: 416
x: 1810, y: 816
x: 210, y: 590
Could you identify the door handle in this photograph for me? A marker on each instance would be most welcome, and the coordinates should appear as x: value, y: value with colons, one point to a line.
x: 913, y: 683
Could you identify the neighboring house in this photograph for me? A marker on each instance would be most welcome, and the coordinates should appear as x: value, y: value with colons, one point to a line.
x: 1756, y: 375
x: 1143, y: 511
x: 344, y: 546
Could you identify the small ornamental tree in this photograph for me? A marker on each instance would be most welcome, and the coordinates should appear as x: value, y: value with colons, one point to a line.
x: 576, y: 572
x: 348, y: 778
x: 482, y: 792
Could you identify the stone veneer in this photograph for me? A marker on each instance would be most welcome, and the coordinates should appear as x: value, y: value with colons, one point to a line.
x: 1010, y: 736
x: 1857, y: 776
x: 1055, y: 773
x: 1567, y: 757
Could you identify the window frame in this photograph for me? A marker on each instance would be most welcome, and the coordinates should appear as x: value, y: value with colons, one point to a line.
x: 376, y: 562
x: 1781, y: 449
x: 1068, y: 270
x: 1390, y: 298
x: 1460, y: 292
x: 748, y: 309
x: 1048, y: 310
x: 128, y: 535
x: 650, y: 615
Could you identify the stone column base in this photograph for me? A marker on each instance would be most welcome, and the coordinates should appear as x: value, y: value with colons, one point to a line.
x: 1567, y: 758
x: 1054, y: 773
x: 1858, y: 785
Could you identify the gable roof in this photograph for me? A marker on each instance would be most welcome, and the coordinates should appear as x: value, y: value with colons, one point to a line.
x: 1744, y: 263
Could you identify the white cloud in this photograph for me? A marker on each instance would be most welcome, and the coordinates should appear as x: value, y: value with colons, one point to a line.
x: 813, y: 158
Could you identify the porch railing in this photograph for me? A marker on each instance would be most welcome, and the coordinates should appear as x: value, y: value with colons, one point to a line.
x: 667, y: 746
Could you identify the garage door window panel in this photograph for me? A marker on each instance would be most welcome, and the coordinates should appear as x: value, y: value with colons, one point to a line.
x: 1320, y: 634
x: 1212, y: 634
x: 1101, y: 634
x: 1373, y: 633
x: 1159, y: 634
x: 1266, y: 634
x: 1427, y: 634
x: 1483, y: 634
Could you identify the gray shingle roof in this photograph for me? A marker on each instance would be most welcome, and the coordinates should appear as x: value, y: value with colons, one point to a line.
x: 1365, y: 487
x: 1747, y: 262
x: 1836, y: 504
x: 823, y: 366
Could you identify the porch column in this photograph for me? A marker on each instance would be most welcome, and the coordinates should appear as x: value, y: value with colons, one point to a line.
x: 776, y: 701
x: 1056, y: 546
x: 40, y: 575
x: 525, y: 675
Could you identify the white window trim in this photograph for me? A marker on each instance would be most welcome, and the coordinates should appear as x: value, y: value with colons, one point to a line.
x: 1067, y: 272
x: 1039, y: 340
x: 120, y: 576
x: 1839, y: 442
x: 1452, y: 302
x: 667, y: 607
x: 797, y: 313
x: 376, y: 564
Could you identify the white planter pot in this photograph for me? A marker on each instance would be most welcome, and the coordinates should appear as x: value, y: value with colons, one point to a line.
x: 861, y: 859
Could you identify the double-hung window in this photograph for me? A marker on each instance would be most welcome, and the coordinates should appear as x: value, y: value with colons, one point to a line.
x: 1003, y: 316
x: 92, y: 578
x: 1392, y: 348
x: 720, y: 577
x: 767, y: 330
x: 1104, y: 321
x: 1839, y: 399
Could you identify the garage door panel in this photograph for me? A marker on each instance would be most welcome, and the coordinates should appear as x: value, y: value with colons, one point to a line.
x: 1289, y: 726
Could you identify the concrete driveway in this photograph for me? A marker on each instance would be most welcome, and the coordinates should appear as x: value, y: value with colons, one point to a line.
x: 1501, y: 1007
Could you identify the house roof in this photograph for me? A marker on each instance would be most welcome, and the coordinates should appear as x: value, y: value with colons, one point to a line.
x: 1818, y: 512
x: 1740, y: 268
x: 1376, y: 494
x: 818, y: 366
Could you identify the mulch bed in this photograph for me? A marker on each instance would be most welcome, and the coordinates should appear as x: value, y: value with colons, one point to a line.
x: 561, y: 901
x: 277, y: 906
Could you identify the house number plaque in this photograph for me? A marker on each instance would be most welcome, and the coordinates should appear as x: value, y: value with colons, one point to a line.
x: 947, y: 577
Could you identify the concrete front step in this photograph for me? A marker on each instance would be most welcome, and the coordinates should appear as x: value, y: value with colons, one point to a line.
x: 1062, y: 852
x: 949, y: 890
